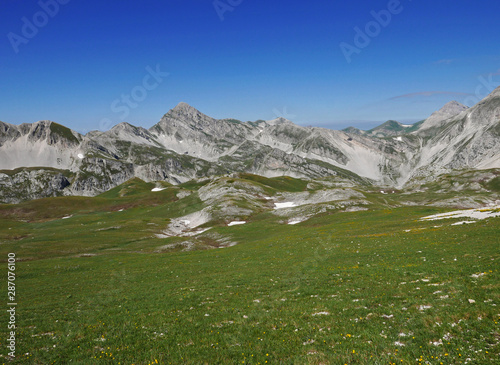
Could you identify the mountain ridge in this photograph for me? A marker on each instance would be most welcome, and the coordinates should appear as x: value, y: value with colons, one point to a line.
x: 187, y: 144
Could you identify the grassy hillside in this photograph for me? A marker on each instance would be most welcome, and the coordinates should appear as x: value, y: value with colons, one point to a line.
x: 282, y: 183
x: 368, y: 287
x: 64, y: 132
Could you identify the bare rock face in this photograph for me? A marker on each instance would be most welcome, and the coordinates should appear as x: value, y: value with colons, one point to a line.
x: 449, y: 110
x: 470, y: 139
x: 187, y: 144
x: 32, y: 184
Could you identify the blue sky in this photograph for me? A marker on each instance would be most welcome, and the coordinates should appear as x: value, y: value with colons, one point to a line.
x: 91, y: 64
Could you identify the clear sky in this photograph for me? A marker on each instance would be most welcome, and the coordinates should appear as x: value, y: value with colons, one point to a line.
x: 90, y: 64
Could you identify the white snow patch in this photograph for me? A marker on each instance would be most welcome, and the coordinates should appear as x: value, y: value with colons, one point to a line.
x: 195, y: 232
x: 415, y: 229
x: 68, y: 216
x: 293, y: 200
x: 463, y: 222
x: 407, y: 125
x: 295, y: 221
x: 230, y: 244
x: 424, y: 307
x: 80, y: 156
x: 236, y: 223
x: 321, y: 314
x: 475, y: 276
x: 184, y: 226
x: 399, y: 139
x: 284, y: 205
x: 158, y: 189
x: 480, y: 213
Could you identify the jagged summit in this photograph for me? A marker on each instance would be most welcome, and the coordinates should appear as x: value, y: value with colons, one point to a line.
x: 182, y: 106
x: 185, y: 109
x: 184, y: 112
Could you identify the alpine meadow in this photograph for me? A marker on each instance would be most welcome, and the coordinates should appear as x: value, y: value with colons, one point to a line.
x: 213, y: 263
x: 228, y: 182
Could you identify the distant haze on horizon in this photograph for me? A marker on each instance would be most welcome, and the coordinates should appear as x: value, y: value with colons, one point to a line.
x: 91, y: 65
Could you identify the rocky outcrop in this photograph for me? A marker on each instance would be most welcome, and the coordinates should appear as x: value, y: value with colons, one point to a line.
x: 27, y: 184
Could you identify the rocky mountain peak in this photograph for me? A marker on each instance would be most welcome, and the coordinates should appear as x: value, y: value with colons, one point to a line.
x: 186, y: 113
x: 448, y: 111
x: 452, y: 108
x: 122, y: 126
x: 183, y: 107
x: 184, y: 120
x: 123, y: 129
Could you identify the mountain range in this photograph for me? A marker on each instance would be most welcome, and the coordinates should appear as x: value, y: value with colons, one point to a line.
x: 46, y: 159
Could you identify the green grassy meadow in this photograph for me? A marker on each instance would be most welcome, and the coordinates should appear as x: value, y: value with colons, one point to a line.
x: 369, y: 287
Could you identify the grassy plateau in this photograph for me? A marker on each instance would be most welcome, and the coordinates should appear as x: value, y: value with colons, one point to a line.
x: 367, y: 287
